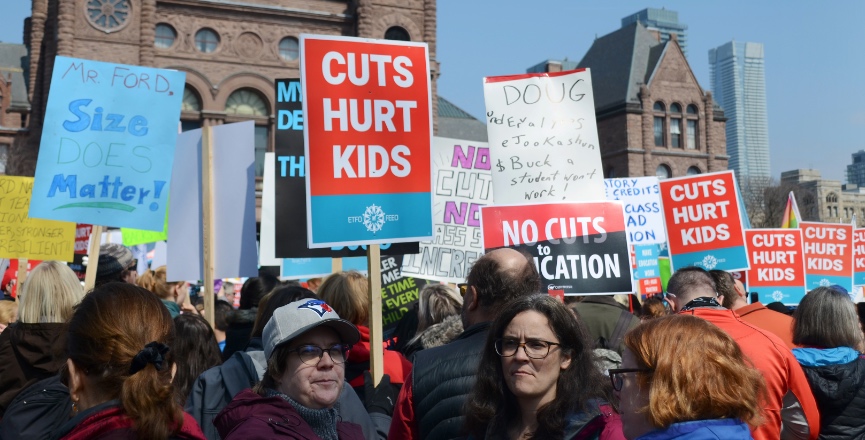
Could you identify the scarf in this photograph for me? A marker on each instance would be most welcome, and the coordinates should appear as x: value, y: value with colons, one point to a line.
x: 322, y: 421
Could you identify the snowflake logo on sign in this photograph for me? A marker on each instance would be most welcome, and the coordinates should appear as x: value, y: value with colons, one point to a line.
x: 709, y: 262
x: 777, y: 295
x: 373, y: 218
x: 825, y: 283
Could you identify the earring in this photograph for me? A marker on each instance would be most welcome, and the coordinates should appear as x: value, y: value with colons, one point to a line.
x: 74, y: 405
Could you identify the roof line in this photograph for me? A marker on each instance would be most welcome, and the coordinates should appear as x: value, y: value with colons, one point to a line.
x: 658, y: 63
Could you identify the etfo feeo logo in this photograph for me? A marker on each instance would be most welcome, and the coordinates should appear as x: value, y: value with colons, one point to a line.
x: 373, y: 218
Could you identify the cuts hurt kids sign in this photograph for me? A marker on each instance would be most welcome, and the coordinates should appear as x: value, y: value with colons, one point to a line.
x: 704, y: 223
x: 828, y: 254
x: 580, y: 248
x: 777, y: 264
x: 368, y: 131
x: 107, y: 144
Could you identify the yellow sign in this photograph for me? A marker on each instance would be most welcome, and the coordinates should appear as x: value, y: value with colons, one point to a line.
x: 25, y: 237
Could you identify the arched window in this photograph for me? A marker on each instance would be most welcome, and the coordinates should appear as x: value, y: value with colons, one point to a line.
x: 832, y: 198
x: 246, y: 102
x: 692, y: 109
x: 675, y: 108
x: 288, y: 49
x: 693, y: 171
x: 397, y: 33
x: 659, y: 107
x: 191, y: 102
x: 206, y: 40
x: 165, y: 36
x: 663, y: 171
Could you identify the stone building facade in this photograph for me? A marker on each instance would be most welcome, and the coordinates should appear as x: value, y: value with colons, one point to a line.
x: 14, y: 106
x: 231, y: 51
x: 653, y: 117
x: 827, y: 201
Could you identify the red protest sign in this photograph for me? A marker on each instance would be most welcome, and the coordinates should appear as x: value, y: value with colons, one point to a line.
x: 777, y: 264
x: 578, y: 247
x: 82, y: 237
x: 859, y: 257
x: 368, y: 130
x: 650, y: 286
x: 703, y: 221
x: 828, y: 254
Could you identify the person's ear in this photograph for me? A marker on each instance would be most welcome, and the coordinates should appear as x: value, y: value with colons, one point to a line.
x: 566, y: 359
x: 471, y: 299
x: 76, y: 380
x: 173, y: 370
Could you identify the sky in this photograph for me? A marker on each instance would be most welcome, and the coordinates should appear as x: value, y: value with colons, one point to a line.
x: 813, y: 58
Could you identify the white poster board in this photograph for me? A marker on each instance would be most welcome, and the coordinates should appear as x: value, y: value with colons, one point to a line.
x: 644, y: 216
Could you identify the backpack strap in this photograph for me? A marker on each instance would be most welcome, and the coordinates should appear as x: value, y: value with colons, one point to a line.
x: 619, y: 331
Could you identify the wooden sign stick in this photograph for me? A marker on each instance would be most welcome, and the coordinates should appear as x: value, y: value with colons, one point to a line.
x: 93, y: 257
x: 376, y: 348
x: 22, y: 275
x: 207, y: 238
x: 336, y: 265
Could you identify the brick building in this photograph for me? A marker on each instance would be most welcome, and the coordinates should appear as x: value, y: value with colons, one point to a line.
x: 14, y: 106
x: 231, y: 51
x: 825, y: 200
x: 653, y: 117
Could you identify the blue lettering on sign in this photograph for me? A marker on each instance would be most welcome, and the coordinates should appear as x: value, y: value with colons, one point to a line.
x: 295, y: 165
x: 107, y: 189
x: 137, y: 125
x: 289, y: 120
x: 289, y: 92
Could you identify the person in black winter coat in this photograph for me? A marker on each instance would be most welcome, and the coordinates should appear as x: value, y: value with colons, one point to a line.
x: 826, y: 323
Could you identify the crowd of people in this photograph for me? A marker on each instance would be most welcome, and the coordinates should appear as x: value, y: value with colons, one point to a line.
x: 490, y: 359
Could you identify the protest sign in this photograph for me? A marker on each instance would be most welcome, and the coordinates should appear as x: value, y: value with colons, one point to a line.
x: 368, y: 140
x: 859, y: 257
x: 287, y: 185
x: 82, y: 237
x: 25, y: 237
x: 463, y: 185
x: 646, y: 269
x: 132, y: 237
x: 233, y: 199
x: 543, y: 137
x: 398, y: 291
x: 303, y: 268
x: 15, y: 271
x: 267, y: 235
x: 777, y: 264
x: 107, y: 144
x: 703, y: 220
x: 828, y: 254
x: 578, y: 247
x: 650, y: 286
x: 644, y: 218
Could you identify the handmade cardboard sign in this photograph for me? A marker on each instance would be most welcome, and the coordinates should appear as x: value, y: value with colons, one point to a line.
x: 703, y: 220
x: 107, y: 145
x: 463, y: 186
x: 644, y: 218
x: 543, y: 137
x: 777, y: 264
x: 859, y: 257
x: 25, y: 237
x: 368, y: 131
x: 828, y: 254
x: 580, y: 248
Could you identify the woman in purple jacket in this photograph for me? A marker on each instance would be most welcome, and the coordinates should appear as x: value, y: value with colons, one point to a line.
x: 306, y: 345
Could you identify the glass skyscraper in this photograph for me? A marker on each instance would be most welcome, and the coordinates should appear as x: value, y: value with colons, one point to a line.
x: 739, y: 87
x: 664, y: 21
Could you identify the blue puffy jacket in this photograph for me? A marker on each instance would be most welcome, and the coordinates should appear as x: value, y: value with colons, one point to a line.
x: 716, y: 429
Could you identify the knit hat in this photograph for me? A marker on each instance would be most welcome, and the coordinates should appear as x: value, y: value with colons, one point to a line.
x: 113, y: 259
x: 299, y: 317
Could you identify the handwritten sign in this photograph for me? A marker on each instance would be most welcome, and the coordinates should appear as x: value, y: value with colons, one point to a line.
x: 777, y: 264
x: 25, y: 237
x: 578, y: 247
x: 859, y: 257
x: 828, y: 254
x: 368, y: 140
x: 107, y: 144
x: 82, y: 238
x: 463, y: 185
x: 543, y: 137
x: 644, y: 218
x: 398, y: 291
x: 703, y: 220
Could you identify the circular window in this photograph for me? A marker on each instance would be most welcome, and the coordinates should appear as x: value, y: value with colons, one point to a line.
x: 108, y: 15
x: 397, y: 33
x: 246, y: 102
x: 693, y: 171
x: 165, y: 36
x: 288, y: 49
x: 206, y: 40
x: 663, y: 171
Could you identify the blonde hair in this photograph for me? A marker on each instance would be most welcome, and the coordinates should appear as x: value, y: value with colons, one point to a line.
x: 348, y: 294
x: 437, y: 302
x: 154, y: 281
x: 8, y: 312
x: 49, y: 293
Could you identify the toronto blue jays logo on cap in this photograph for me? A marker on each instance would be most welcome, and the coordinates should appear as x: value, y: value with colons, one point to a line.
x: 317, y: 306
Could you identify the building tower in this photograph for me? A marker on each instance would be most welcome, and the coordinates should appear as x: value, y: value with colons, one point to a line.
x: 739, y: 86
x: 856, y: 170
x: 663, y: 21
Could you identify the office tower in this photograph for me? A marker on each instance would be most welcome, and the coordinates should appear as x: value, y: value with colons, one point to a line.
x: 663, y: 21
x: 856, y: 170
x: 739, y: 87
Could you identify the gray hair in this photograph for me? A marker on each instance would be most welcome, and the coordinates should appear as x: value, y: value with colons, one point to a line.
x: 437, y: 302
x: 827, y: 318
x: 689, y: 283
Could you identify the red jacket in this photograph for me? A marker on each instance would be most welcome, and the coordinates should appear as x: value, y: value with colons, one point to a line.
x: 773, y: 322
x: 112, y: 423
x: 789, y: 401
x: 395, y: 365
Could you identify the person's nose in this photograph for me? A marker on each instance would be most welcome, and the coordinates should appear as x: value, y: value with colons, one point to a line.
x: 326, y: 362
x: 521, y: 354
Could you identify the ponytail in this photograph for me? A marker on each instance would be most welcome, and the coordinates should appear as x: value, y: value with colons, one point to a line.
x: 147, y: 397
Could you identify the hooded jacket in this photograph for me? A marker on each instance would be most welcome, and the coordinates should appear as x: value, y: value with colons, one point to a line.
x: 837, y: 378
x: 28, y: 354
x: 717, y: 429
x: 107, y: 421
x: 435, y: 335
x: 239, y: 332
x: 250, y: 417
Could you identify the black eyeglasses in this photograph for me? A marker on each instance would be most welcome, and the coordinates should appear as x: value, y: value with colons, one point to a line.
x: 618, y: 380
x: 463, y: 288
x: 312, y: 354
x: 534, y: 348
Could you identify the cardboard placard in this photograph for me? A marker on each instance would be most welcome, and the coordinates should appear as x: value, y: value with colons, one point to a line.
x: 543, y: 137
x: 398, y: 292
x: 644, y: 217
x: 82, y: 237
x: 828, y: 254
x: 368, y: 136
x: 132, y: 237
x: 777, y: 259
x: 579, y: 247
x: 704, y: 223
x: 859, y: 257
x: 25, y: 237
x: 107, y: 144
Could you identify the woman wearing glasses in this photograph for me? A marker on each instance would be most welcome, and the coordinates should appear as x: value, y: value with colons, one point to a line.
x: 684, y: 378
x: 306, y: 345
x: 537, y: 378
